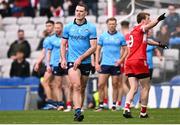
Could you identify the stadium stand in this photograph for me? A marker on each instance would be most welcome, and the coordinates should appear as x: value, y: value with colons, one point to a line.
x: 34, y: 26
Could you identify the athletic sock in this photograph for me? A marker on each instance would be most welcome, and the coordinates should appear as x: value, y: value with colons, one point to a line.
x: 143, y: 109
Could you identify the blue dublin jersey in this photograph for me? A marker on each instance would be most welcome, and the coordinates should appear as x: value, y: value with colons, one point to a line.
x: 54, y: 46
x: 111, y: 45
x: 79, y: 37
x: 149, y: 52
x: 46, y: 44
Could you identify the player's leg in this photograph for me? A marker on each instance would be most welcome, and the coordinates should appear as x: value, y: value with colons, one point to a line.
x: 115, y: 80
x: 105, y: 101
x: 84, y: 80
x: 129, y: 98
x: 57, y: 92
x: 50, y: 103
x: 75, y: 79
x: 102, y: 83
x: 145, y: 87
x: 120, y: 93
x: 68, y: 92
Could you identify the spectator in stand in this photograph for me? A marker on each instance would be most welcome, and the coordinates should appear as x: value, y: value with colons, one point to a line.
x: 40, y: 46
x: 72, y: 6
x: 57, y: 8
x: 20, y: 42
x: 92, y: 5
x: 45, y: 8
x: 163, y: 35
x: 5, y: 9
x: 172, y: 19
x: 175, y: 37
x: 20, y: 67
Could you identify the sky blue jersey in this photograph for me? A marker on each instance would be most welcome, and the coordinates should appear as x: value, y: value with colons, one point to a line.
x: 45, y: 46
x: 79, y: 37
x: 54, y: 46
x: 149, y: 52
x: 111, y: 45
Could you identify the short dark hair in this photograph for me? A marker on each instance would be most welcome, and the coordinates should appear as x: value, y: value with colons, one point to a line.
x: 125, y: 24
x: 83, y: 5
x: 20, y: 30
x: 141, y: 16
x: 58, y: 22
x: 111, y: 19
x: 50, y: 21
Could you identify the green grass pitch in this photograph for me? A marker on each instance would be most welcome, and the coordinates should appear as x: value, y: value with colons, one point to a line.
x: 157, y: 116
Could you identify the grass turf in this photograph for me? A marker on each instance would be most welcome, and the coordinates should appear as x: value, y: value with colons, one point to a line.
x: 157, y: 116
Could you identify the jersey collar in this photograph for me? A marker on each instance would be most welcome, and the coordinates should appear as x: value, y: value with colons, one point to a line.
x: 112, y: 33
x: 85, y: 22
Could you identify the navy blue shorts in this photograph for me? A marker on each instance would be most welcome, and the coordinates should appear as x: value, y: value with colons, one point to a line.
x: 58, y: 71
x: 112, y: 70
x: 84, y: 68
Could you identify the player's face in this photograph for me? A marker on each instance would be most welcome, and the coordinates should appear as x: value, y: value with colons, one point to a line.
x: 147, y: 20
x: 58, y: 29
x: 80, y: 13
x: 111, y: 25
x: 49, y: 28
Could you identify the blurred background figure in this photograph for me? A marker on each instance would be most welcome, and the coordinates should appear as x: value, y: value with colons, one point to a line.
x: 20, y: 67
x: 172, y: 20
x: 20, y: 42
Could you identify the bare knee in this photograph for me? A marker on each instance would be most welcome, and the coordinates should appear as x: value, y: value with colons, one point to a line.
x: 76, y: 87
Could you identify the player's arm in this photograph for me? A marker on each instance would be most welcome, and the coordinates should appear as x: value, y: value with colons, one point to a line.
x: 155, y: 43
x: 40, y: 59
x: 64, y: 42
x: 63, y: 53
x: 91, y: 50
x: 154, y: 22
x: 124, y: 53
x: 158, y: 53
x: 48, y: 61
x: 97, y: 58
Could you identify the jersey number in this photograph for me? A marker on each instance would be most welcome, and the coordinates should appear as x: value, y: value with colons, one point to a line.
x: 131, y: 41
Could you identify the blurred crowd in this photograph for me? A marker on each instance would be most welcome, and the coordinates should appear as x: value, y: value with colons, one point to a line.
x: 48, y: 8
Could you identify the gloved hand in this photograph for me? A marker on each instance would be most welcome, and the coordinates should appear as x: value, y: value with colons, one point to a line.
x: 161, y: 17
x: 164, y: 46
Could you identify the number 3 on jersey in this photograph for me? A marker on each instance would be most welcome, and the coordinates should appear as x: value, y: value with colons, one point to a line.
x: 130, y: 41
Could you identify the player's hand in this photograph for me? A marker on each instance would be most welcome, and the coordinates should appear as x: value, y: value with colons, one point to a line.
x: 164, y: 46
x: 161, y: 17
x: 49, y: 69
x: 63, y: 64
x: 36, y: 67
x: 77, y: 63
x: 98, y: 67
x: 118, y: 62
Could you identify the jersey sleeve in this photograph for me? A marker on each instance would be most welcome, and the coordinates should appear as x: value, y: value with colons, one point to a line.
x: 93, y: 33
x: 49, y: 45
x: 66, y: 32
x: 45, y: 42
x: 100, y: 41
x: 123, y: 41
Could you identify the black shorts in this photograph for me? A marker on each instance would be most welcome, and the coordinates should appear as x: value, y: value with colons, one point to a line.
x: 139, y: 76
x: 84, y: 68
x: 58, y: 71
x: 112, y: 70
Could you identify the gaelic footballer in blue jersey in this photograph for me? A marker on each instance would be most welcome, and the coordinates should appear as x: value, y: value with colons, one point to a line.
x: 81, y: 37
x: 60, y: 74
x: 111, y: 42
